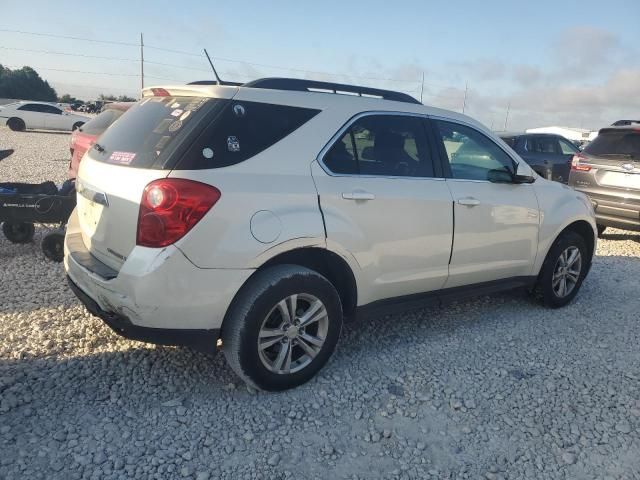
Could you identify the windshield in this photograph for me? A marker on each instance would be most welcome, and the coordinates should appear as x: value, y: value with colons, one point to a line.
x: 142, y: 135
x: 622, y: 143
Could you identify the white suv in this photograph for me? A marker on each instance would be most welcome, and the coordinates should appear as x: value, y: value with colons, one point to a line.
x: 257, y: 218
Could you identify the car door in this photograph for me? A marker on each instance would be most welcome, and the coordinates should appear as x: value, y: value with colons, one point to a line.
x: 32, y: 115
x: 384, y: 205
x: 55, y: 119
x: 496, y: 224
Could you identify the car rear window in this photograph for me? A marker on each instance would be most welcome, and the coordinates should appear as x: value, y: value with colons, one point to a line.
x: 242, y: 130
x: 511, y: 141
x: 623, y: 143
x: 99, y: 124
x: 146, y: 135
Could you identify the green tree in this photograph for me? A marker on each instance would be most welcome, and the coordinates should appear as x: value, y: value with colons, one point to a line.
x: 66, y: 98
x: 25, y: 84
x: 113, y: 98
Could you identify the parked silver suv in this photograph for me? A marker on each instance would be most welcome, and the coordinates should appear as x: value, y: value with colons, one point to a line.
x: 608, y: 171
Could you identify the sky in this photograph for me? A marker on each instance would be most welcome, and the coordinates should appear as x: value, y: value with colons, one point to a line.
x: 571, y: 63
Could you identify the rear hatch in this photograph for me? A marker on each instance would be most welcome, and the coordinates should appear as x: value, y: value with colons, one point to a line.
x: 612, y: 161
x: 142, y: 146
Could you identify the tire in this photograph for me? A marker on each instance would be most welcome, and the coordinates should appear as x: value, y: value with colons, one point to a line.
x: 76, y: 126
x: 601, y: 229
x: 18, y: 232
x: 53, y: 246
x: 16, y: 124
x: 256, y: 309
x: 547, y: 288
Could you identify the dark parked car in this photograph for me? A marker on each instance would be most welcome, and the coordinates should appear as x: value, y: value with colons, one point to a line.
x: 549, y: 155
x: 608, y: 171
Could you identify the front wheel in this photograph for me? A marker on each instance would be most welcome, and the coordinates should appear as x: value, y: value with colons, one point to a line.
x: 601, y: 229
x: 76, y: 126
x: 563, y: 270
x: 282, y: 327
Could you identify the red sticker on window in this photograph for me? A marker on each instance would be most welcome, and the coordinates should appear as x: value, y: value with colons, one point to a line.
x: 122, y: 158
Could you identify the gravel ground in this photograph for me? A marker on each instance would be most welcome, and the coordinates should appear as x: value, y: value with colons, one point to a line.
x: 497, y: 387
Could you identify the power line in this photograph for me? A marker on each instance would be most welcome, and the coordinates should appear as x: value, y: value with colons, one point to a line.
x: 220, y: 59
x: 51, y: 52
x: 68, y: 37
x: 79, y: 71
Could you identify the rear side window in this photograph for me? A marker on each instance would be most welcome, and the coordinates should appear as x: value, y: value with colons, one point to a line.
x: 242, y: 130
x: 616, y: 143
x: 145, y: 135
x: 382, y: 145
x: 511, y: 141
x: 100, y: 123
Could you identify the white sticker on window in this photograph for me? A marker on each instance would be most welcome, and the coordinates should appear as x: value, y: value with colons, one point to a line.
x: 207, y: 152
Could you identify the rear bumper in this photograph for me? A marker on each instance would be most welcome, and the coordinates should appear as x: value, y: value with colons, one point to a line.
x: 615, y: 212
x: 158, y: 295
x: 203, y: 340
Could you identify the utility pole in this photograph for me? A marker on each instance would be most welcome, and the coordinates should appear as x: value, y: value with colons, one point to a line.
x: 506, y: 118
x: 422, y: 88
x: 141, y: 62
x: 464, y: 102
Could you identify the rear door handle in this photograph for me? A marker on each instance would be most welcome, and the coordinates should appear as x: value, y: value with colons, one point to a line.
x: 469, y: 201
x: 358, y: 195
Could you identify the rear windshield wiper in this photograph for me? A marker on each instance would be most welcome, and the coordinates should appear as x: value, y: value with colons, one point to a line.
x: 98, y: 147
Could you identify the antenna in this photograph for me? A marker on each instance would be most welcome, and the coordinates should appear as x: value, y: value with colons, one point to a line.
x: 212, y: 67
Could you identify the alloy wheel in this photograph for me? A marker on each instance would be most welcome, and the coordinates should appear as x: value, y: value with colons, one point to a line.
x: 567, y: 272
x: 293, y: 333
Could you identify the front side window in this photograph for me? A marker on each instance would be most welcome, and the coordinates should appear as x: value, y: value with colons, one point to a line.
x: 382, y: 145
x: 471, y: 154
x: 567, y: 148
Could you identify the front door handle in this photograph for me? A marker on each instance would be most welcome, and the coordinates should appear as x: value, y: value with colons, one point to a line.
x: 469, y: 201
x: 358, y: 195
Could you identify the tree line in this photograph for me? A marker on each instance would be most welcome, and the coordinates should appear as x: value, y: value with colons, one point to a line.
x: 26, y: 84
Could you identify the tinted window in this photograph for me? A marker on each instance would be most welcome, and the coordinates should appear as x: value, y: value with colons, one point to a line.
x: 384, y: 145
x: 542, y: 145
x: 144, y: 135
x: 100, y: 123
x: 511, y: 141
x: 32, y: 107
x: 241, y: 131
x: 471, y: 154
x: 51, y: 109
x: 623, y: 143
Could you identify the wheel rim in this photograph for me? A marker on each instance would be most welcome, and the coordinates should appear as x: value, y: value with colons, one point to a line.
x: 567, y: 272
x: 293, y: 333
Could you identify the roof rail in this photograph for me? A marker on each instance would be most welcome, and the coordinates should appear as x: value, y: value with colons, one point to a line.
x: 301, y: 85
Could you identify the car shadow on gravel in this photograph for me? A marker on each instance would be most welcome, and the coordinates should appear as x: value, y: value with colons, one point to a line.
x: 635, y: 237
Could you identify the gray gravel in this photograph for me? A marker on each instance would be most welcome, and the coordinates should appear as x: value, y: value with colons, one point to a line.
x: 493, y: 388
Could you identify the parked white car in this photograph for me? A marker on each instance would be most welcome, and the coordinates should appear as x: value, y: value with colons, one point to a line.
x: 257, y: 218
x: 40, y: 115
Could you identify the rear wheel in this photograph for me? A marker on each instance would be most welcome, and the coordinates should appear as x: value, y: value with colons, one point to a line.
x: 53, y: 246
x: 563, y: 270
x: 601, y: 229
x: 18, y: 232
x: 282, y: 327
x: 16, y: 124
x: 76, y: 126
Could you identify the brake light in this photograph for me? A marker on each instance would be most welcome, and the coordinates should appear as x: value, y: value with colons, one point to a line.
x: 170, y: 207
x: 575, y: 163
x: 160, y: 92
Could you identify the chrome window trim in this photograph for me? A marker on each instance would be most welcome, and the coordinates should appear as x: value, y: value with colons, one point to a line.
x: 338, y: 135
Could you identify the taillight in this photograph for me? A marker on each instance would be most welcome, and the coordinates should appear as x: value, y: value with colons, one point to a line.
x: 160, y: 92
x: 575, y: 163
x: 170, y: 207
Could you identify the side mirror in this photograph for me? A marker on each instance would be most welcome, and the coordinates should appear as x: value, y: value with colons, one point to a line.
x: 500, y: 176
x: 524, y: 174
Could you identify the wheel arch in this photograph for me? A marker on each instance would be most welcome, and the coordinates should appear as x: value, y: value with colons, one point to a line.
x: 328, y: 264
x: 580, y: 227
